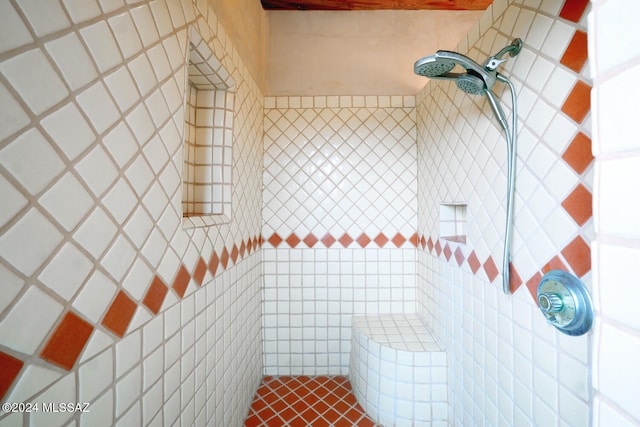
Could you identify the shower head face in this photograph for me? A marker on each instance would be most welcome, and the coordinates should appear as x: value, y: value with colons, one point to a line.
x: 470, y: 84
x: 432, y: 66
x: 440, y: 65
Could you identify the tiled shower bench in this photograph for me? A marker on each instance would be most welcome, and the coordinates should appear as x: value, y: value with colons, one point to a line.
x: 398, y: 371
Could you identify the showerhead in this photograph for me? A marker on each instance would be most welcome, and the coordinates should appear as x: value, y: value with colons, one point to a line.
x: 477, y: 79
x: 470, y: 84
x: 440, y: 65
x: 431, y: 66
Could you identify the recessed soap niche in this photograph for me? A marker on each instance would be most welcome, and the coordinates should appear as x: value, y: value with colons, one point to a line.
x: 453, y: 221
x: 207, y: 181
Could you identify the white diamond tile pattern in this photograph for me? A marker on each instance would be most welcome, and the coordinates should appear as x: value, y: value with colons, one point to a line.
x: 35, y: 78
x: 462, y: 157
x: 339, y: 170
x: 90, y: 172
x: 32, y: 161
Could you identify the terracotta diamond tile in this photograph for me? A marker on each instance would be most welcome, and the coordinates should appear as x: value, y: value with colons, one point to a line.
x: 554, y: 264
x: 224, y: 258
x: 474, y: 262
x: 576, y: 54
x: 414, y: 239
x: 120, y: 313
x: 234, y: 253
x: 491, y: 269
x: 438, y: 248
x: 459, y: 256
x: 214, y: 262
x: 579, y: 204
x: 328, y: 240
x: 363, y: 240
x: 345, y: 240
x: 201, y: 270
x: 381, y: 240
x: 398, y: 240
x: 310, y: 240
x: 423, y: 242
x: 293, y: 240
x: 249, y: 245
x: 430, y: 244
x: 578, y: 255
x: 447, y: 251
x: 573, y: 9
x: 243, y: 249
x: 155, y: 295
x: 578, y: 103
x: 515, y: 281
x: 181, y: 281
x: 275, y: 240
x: 578, y: 154
x: 67, y: 341
x: 10, y: 369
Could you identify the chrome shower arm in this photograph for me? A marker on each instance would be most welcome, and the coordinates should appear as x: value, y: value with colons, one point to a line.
x: 493, y: 62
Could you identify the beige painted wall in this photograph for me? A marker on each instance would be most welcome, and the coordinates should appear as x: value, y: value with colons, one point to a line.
x: 245, y: 23
x: 356, y: 52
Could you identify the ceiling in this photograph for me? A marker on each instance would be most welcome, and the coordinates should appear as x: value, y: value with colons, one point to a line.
x: 317, y: 49
x: 376, y: 4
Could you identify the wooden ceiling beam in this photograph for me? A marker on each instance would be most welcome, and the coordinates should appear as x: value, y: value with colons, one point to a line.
x: 376, y: 4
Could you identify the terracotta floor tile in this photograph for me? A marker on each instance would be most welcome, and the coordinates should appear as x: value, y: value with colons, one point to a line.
x: 331, y: 415
x: 253, y: 421
x: 266, y: 413
x: 350, y: 399
x: 258, y: 405
x: 353, y: 415
x: 309, y: 415
x: 288, y: 414
x: 270, y: 397
x: 321, y: 407
x: 275, y: 422
x: 366, y: 422
x: 306, y: 401
x: 343, y: 422
x: 279, y: 406
x: 321, y: 391
x: 300, y: 406
x: 341, y: 407
x: 298, y: 422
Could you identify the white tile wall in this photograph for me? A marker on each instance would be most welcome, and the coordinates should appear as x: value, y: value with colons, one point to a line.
x: 91, y: 100
x: 506, y: 365
x: 616, y: 247
x: 335, y: 166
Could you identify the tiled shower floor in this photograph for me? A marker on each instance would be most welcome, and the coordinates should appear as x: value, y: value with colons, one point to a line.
x: 302, y: 401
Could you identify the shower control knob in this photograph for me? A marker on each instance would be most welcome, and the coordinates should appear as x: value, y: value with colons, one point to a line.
x: 550, y: 302
x: 565, y: 302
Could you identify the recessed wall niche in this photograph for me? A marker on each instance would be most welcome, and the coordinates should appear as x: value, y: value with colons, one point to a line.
x: 208, y: 136
x: 453, y: 221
